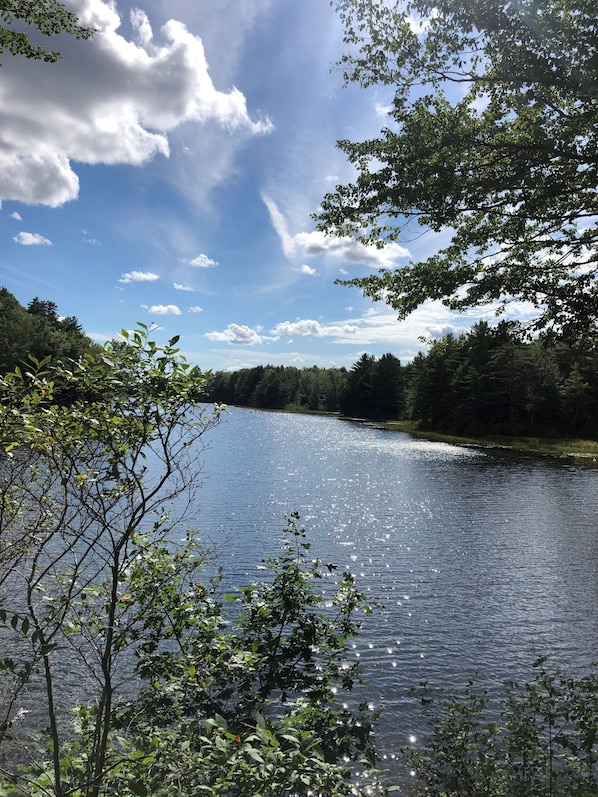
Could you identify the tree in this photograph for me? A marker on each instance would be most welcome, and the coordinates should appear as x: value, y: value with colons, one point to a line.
x: 387, y: 387
x: 248, y: 706
x: 49, y: 17
x: 492, y: 134
x: 82, y: 486
x: 38, y: 331
x: 98, y: 591
x: 356, y: 398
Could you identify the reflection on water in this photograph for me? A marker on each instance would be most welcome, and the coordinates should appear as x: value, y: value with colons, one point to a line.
x: 479, y: 561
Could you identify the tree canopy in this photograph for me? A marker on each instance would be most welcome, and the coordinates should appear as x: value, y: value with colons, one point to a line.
x: 492, y: 134
x: 49, y: 17
x: 37, y: 330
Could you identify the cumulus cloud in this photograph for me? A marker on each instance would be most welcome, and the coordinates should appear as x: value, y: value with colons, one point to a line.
x: 164, y: 309
x: 109, y: 100
x: 376, y: 328
x: 307, y: 328
x: 31, y: 239
x: 177, y: 286
x: 237, y: 334
x: 16, y: 216
x: 138, y: 276
x: 304, y: 328
x: 196, y: 309
x: 317, y: 243
x: 202, y: 261
x: 305, y: 269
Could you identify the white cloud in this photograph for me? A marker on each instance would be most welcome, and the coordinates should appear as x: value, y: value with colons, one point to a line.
x: 304, y: 328
x: 279, y: 223
x: 238, y: 334
x: 382, y: 110
x: 307, y: 328
x: 109, y: 100
x: 317, y: 243
x: 380, y: 328
x: 31, y: 239
x: 202, y: 261
x: 346, y: 249
x: 177, y: 286
x: 305, y: 269
x: 164, y: 309
x: 196, y: 309
x: 16, y: 216
x: 138, y: 276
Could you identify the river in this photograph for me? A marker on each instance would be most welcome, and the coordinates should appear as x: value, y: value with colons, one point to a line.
x: 479, y: 560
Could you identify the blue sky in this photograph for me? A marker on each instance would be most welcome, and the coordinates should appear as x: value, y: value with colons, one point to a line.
x: 166, y: 172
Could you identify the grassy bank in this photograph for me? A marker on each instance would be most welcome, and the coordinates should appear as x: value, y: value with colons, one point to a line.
x: 570, y: 448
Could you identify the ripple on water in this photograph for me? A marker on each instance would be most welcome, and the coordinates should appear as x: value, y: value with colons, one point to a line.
x: 477, y: 561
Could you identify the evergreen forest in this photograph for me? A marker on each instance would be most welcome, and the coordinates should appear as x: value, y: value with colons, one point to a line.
x: 485, y: 382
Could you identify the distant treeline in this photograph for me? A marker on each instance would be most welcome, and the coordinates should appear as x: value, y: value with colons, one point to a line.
x: 486, y: 381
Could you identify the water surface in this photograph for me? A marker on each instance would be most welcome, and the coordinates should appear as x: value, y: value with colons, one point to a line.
x: 479, y: 560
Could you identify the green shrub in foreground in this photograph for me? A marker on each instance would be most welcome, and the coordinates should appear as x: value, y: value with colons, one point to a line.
x: 542, y: 743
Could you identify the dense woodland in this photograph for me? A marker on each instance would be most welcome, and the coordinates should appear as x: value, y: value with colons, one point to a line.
x: 487, y: 381
x: 37, y: 331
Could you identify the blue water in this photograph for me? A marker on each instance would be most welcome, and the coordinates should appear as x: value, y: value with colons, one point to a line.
x: 479, y: 561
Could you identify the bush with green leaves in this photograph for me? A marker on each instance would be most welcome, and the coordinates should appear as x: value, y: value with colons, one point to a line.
x: 105, y: 610
x: 541, y: 742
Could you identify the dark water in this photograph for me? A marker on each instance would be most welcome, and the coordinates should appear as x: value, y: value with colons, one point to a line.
x: 480, y: 561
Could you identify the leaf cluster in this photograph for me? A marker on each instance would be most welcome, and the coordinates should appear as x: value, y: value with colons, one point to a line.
x: 48, y: 17
x: 542, y: 741
x: 249, y: 688
x: 97, y: 588
x: 491, y: 135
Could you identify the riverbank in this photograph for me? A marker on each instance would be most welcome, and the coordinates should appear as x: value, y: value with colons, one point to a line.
x: 568, y: 448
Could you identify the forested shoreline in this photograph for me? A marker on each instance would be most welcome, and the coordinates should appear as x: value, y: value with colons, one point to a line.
x: 485, y: 382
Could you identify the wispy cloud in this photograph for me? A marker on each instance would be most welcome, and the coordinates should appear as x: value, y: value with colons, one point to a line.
x: 31, y: 239
x: 317, y: 243
x: 305, y: 269
x: 139, y: 276
x: 196, y: 309
x: 382, y: 110
x: 288, y: 243
x: 89, y: 239
x: 177, y: 286
x: 16, y: 216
